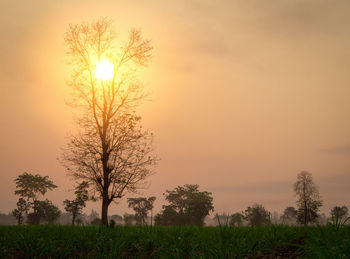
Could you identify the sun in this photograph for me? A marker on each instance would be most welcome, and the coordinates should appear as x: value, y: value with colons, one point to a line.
x: 104, y: 70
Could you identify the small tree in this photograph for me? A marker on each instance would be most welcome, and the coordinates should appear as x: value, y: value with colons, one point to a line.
x: 75, y: 207
x: 198, y: 206
x: 22, y: 208
x: 93, y: 215
x: 289, y: 215
x: 309, y: 201
x: 44, y: 211
x: 96, y: 221
x: 236, y: 219
x: 222, y: 219
x: 339, y: 214
x: 257, y: 215
x: 141, y: 206
x: 31, y: 186
x: 168, y: 217
x: 128, y: 219
x: 191, y: 205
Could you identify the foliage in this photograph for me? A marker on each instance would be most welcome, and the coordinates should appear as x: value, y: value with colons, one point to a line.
x: 141, y: 206
x: 309, y: 201
x: 168, y: 217
x: 187, y: 205
x: 76, y: 206
x: 198, y: 205
x: 257, y: 215
x: 173, y: 242
x: 236, y: 219
x: 222, y: 219
x: 111, y: 223
x: 116, y: 218
x: 289, y: 215
x: 33, y: 218
x: 93, y: 214
x: 339, y: 215
x: 128, y: 219
x: 111, y: 152
x: 22, y: 208
x: 96, y: 221
x: 44, y: 212
x: 31, y: 186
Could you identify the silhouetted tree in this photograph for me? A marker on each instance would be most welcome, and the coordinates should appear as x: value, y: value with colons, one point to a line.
x: 22, y: 208
x: 75, y: 207
x: 309, y: 201
x: 31, y: 186
x: 236, y: 219
x: 111, y: 152
x: 289, y: 215
x: 339, y: 214
x: 191, y: 205
x: 257, y: 215
x: 112, y: 223
x: 198, y: 206
x: 168, y: 217
x: 274, y: 218
x: 222, y: 219
x: 44, y: 211
x: 96, y: 221
x: 93, y: 215
x: 128, y: 219
x: 117, y: 219
x: 141, y: 206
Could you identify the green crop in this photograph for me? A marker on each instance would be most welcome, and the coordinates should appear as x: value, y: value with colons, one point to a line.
x: 55, y: 241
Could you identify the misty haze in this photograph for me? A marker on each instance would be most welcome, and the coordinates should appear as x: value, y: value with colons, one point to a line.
x: 151, y: 129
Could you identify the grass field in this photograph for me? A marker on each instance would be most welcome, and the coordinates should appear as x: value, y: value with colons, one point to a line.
x: 173, y: 242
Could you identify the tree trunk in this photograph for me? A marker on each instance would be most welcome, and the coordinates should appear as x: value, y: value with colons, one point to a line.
x: 305, y: 214
x: 105, y: 204
x: 305, y: 205
x: 73, y: 219
x: 105, y: 158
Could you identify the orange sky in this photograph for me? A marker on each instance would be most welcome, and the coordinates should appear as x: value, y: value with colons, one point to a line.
x: 245, y: 95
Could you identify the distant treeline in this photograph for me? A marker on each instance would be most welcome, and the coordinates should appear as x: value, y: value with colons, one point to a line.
x: 187, y: 205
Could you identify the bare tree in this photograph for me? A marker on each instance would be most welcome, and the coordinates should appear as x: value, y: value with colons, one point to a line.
x: 111, y: 151
x: 309, y: 200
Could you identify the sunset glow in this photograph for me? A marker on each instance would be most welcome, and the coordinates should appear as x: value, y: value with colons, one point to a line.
x: 241, y: 96
x: 104, y: 70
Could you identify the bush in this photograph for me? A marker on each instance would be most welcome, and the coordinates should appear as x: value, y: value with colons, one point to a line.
x: 112, y: 223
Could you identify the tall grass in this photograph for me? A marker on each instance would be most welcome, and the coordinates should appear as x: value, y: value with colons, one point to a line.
x: 173, y: 242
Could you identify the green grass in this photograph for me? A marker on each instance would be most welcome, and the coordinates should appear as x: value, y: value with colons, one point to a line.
x: 173, y: 242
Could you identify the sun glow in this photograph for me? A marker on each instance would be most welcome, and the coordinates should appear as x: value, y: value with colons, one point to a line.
x: 104, y: 70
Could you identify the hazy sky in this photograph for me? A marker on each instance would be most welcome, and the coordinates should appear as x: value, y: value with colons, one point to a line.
x: 245, y: 95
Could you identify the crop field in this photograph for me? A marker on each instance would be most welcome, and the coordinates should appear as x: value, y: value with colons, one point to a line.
x: 55, y: 241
